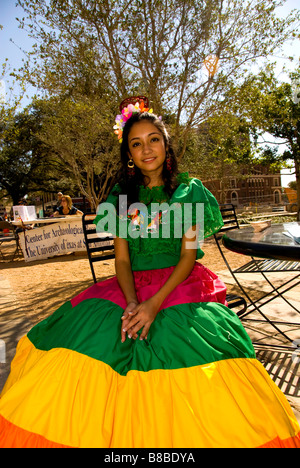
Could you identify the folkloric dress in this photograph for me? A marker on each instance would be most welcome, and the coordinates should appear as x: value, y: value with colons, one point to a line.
x: 195, y: 382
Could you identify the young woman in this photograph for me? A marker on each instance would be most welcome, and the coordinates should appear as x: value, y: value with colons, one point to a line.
x: 66, y: 208
x: 151, y: 357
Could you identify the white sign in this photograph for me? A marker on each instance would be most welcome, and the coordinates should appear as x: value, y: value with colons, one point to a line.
x: 55, y: 239
x: 51, y: 240
x: 24, y: 213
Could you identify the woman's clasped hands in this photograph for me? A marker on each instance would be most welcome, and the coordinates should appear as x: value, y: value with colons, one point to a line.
x: 138, y: 316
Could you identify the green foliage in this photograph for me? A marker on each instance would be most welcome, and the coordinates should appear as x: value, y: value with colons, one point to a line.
x: 80, y: 132
x: 26, y: 163
x: 274, y: 107
x: 153, y: 47
x: 189, y: 56
x: 222, y: 145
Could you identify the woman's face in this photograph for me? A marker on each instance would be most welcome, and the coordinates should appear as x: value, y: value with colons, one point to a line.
x: 146, y: 147
x: 64, y: 202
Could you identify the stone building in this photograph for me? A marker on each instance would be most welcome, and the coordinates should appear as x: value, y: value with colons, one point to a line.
x: 260, y: 186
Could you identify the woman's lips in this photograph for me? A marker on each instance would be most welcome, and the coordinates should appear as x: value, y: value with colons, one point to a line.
x: 148, y: 160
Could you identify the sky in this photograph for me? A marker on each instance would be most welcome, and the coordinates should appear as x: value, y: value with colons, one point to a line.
x: 14, y: 41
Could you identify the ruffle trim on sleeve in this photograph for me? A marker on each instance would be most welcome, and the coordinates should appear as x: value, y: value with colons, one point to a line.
x: 192, y: 193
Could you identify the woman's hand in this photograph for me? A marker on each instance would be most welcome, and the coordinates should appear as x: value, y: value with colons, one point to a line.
x: 128, y: 312
x: 140, y: 317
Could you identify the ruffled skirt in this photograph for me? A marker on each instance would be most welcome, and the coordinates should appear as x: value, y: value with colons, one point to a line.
x: 195, y: 382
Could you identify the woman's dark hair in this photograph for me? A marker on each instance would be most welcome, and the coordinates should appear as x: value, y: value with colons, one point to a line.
x: 130, y: 183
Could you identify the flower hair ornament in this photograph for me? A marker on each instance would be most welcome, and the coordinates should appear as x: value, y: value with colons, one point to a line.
x: 128, y: 107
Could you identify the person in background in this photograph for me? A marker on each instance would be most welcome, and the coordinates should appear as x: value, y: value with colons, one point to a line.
x: 66, y: 208
x: 58, y: 202
x: 22, y: 202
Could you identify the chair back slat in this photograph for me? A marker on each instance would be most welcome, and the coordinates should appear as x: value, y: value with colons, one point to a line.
x: 229, y: 217
x: 99, y: 246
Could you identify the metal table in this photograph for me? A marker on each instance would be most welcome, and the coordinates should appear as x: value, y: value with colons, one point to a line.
x: 269, y: 243
x: 283, y: 252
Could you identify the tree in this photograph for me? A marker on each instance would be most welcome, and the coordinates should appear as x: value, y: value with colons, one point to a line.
x: 26, y: 163
x: 183, y: 54
x: 274, y: 107
x: 79, y: 132
x: 223, y: 147
x: 292, y: 185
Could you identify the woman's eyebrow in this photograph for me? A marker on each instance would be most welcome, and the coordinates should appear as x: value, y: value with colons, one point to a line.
x: 153, y: 133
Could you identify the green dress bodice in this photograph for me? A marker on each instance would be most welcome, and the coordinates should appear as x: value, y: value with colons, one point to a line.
x: 155, y: 225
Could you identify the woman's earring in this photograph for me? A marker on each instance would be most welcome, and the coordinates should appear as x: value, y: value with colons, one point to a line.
x: 169, y: 163
x: 130, y: 166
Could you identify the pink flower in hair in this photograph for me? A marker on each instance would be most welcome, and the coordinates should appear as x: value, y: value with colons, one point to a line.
x: 127, y: 112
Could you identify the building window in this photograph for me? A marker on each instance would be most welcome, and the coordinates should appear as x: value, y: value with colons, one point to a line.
x: 234, y: 198
x: 277, y: 197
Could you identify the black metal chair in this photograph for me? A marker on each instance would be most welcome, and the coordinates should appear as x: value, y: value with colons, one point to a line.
x: 99, y: 246
x: 235, y: 301
x: 8, y: 235
x: 260, y: 266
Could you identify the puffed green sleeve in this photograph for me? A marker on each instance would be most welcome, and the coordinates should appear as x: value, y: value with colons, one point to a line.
x: 200, y: 207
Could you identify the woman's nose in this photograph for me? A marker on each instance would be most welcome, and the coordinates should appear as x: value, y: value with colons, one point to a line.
x: 147, y: 148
